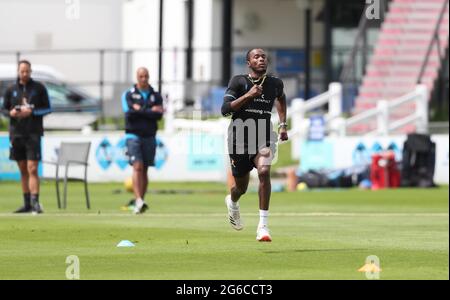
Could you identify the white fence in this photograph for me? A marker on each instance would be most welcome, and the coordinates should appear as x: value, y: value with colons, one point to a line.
x: 299, y: 108
x: 381, y: 112
x: 336, y: 124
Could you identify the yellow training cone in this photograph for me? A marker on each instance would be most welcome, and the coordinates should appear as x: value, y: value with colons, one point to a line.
x: 373, y: 268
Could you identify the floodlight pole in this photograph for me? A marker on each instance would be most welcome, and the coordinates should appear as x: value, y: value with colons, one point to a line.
x: 227, y: 40
x: 160, y: 45
x: 307, y: 51
x: 102, y: 85
x: 190, y: 36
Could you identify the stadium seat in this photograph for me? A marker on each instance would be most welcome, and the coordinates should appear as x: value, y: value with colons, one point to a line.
x: 71, y: 154
x: 400, y: 53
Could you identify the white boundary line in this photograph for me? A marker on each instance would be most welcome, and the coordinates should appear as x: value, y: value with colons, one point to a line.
x: 171, y: 215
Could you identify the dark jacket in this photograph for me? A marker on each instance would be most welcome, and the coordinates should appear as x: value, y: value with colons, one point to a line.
x: 143, y: 122
x: 36, y: 96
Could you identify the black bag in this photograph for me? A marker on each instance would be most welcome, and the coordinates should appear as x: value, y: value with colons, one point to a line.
x: 349, y: 177
x: 419, y: 158
x: 314, y: 179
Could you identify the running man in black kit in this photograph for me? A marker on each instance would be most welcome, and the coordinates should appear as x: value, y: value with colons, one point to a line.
x: 249, y: 99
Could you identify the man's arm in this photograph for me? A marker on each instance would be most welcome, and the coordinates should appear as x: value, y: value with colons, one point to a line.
x: 156, y: 111
x: 130, y: 109
x: 44, y: 107
x: 233, y: 103
x: 280, y: 104
x: 128, y: 105
x: 6, y: 106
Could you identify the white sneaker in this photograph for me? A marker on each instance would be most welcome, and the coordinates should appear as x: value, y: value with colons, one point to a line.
x: 140, y: 207
x: 263, y: 234
x: 234, y: 215
x: 36, y: 208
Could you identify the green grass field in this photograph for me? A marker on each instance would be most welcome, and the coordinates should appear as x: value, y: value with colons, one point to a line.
x: 185, y: 235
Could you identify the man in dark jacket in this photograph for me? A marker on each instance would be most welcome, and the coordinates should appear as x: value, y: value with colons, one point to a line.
x: 26, y: 102
x: 143, y: 107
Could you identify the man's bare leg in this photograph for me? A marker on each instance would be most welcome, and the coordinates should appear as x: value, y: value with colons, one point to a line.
x: 263, y: 161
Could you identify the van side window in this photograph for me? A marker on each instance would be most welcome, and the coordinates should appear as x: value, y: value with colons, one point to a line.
x: 59, y: 94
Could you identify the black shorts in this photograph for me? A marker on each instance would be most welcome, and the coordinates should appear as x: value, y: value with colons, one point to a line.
x: 25, y: 148
x: 142, y: 149
x: 242, y: 164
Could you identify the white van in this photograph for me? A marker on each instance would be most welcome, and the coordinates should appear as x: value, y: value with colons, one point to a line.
x: 68, y: 102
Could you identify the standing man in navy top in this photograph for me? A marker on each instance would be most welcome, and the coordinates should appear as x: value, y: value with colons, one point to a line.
x: 26, y: 102
x: 143, y: 107
x: 249, y: 99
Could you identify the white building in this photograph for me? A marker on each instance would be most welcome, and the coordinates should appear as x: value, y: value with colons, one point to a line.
x: 69, y: 34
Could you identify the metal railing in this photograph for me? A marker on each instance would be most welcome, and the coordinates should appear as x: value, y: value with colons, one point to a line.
x: 300, y: 108
x: 338, y: 125
x: 435, y: 41
x: 382, y: 114
x: 352, y: 71
x: 106, y: 73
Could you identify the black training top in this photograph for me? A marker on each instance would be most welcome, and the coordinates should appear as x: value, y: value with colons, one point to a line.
x: 34, y: 94
x: 259, y: 109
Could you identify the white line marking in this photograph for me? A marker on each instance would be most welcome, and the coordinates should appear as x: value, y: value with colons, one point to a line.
x: 280, y: 214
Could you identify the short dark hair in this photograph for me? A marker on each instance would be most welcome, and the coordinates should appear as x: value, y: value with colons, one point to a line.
x: 247, y: 56
x: 250, y: 51
x: 23, y: 61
